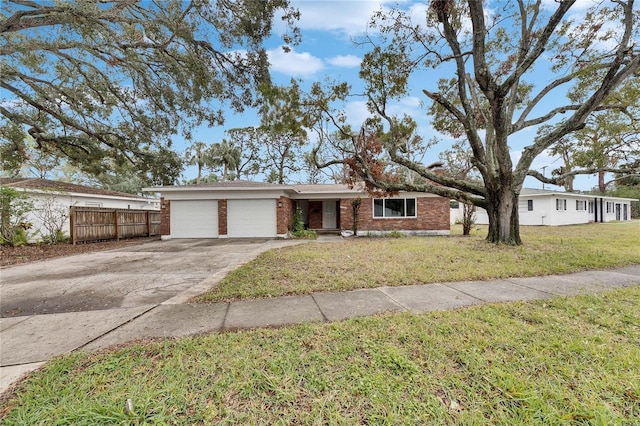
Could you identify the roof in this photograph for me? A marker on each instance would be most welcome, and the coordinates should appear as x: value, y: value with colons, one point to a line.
x: 296, y: 191
x: 229, y: 184
x: 263, y: 187
x: 36, y: 184
x: 532, y: 192
x: 319, y: 188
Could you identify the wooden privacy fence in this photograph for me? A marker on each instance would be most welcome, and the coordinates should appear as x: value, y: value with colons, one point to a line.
x: 96, y: 224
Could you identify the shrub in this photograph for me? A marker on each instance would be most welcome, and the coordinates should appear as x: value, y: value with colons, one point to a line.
x: 396, y: 234
x: 20, y: 237
x: 297, y: 227
x: 14, y: 206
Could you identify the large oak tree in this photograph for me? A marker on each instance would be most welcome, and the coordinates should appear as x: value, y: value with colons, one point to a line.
x: 511, y: 65
x: 107, y: 82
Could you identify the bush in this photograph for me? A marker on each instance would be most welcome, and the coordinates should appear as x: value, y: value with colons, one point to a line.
x: 305, y: 234
x: 14, y: 207
x: 392, y: 234
x: 297, y: 227
x: 20, y: 237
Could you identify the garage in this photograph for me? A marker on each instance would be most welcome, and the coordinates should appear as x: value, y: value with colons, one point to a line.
x: 194, y: 219
x: 251, y: 218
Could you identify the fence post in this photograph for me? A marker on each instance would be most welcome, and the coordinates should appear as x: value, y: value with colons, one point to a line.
x: 148, y: 223
x: 115, y: 219
x: 72, y: 224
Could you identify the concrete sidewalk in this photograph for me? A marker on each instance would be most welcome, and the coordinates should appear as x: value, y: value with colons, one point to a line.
x: 27, y: 342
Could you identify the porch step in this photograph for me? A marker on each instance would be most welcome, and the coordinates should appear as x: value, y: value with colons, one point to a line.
x: 327, y: 231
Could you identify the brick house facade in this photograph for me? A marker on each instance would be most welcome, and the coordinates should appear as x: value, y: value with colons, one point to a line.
x: 270, y: 209
x: 432, y: 214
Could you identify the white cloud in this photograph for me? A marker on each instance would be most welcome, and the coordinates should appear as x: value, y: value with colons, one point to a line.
x: 350, y: 17
x: 579, y: 4
x: 410, y: 106
x: 357, y: 113
x: 293, y: 63
x: 345, y: 61
x: 418, y: 13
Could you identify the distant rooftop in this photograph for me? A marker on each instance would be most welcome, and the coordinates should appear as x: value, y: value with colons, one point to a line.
x: 52, y: 185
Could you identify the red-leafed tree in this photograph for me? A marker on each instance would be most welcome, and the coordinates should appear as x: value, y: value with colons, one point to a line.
x: 511, y: 65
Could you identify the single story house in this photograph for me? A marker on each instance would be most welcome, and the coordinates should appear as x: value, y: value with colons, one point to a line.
x: 254, y: 209
x: 54, y: 197
x: 555, y: 208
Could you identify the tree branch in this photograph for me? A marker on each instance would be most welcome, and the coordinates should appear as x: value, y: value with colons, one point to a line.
x: 557, y: 180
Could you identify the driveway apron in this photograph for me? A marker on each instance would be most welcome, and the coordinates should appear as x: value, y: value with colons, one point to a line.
x: 56, y: 306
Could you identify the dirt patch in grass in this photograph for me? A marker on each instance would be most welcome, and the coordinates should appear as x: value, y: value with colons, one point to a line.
x: 37, y: 252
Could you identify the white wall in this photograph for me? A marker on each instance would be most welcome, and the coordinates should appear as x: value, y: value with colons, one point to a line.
x: 545, y: 213
x: 58, y: 205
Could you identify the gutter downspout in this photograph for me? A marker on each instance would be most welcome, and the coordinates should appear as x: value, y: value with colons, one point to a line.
x: 601, y: 210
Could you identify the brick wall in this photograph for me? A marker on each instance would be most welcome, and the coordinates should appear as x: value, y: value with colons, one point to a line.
x: 285, y: 210
x: 432, y: 215
x: 222, y: 217
x: 315, y: 214
x: 165, y: 217
x: 346, y: 214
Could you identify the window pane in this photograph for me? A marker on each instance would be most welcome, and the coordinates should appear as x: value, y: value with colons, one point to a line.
x: 394, y: 208
x: 377, y: 208
x: 411, y: 206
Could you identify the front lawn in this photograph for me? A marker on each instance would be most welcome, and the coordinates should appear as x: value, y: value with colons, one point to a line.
x: 564, y: 361
x: 372, y: 262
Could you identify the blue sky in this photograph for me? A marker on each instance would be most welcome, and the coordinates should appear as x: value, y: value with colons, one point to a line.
x: 327, y: 50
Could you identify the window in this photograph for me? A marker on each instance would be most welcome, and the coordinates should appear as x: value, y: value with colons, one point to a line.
x: 394, y: 207
x: 581, y: 205
x: 609, y: 207
x: 590, y: 206
x: 90, y: 204
x: 529, y: 205
x: 561, y: 205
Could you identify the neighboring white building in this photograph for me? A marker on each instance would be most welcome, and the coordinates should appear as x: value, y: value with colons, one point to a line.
x: 554, y: 208
x: 53, y: 197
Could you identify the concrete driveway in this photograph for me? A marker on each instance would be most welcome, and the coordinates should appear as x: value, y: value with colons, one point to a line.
x: 56, y: 306
x: 133, y: 276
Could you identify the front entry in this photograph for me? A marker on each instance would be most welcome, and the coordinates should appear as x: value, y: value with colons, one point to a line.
x: 329, y: 215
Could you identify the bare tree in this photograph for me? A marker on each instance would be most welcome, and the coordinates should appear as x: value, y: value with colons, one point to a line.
x: 487, y: 101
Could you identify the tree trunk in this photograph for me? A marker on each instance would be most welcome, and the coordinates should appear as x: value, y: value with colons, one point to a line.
x: 504, y: 226
x: 568, y: 185
x: 601, y: 185
x: 468, y: 218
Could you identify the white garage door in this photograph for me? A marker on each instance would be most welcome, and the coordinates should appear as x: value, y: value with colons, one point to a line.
x: 251, y: 218
x: 194, y: 219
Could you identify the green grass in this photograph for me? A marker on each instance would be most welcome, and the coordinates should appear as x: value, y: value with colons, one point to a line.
x: 372, y: 262
x: 565, y: 361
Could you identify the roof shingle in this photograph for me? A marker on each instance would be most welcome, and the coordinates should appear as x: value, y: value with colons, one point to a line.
x: 51, y: 185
